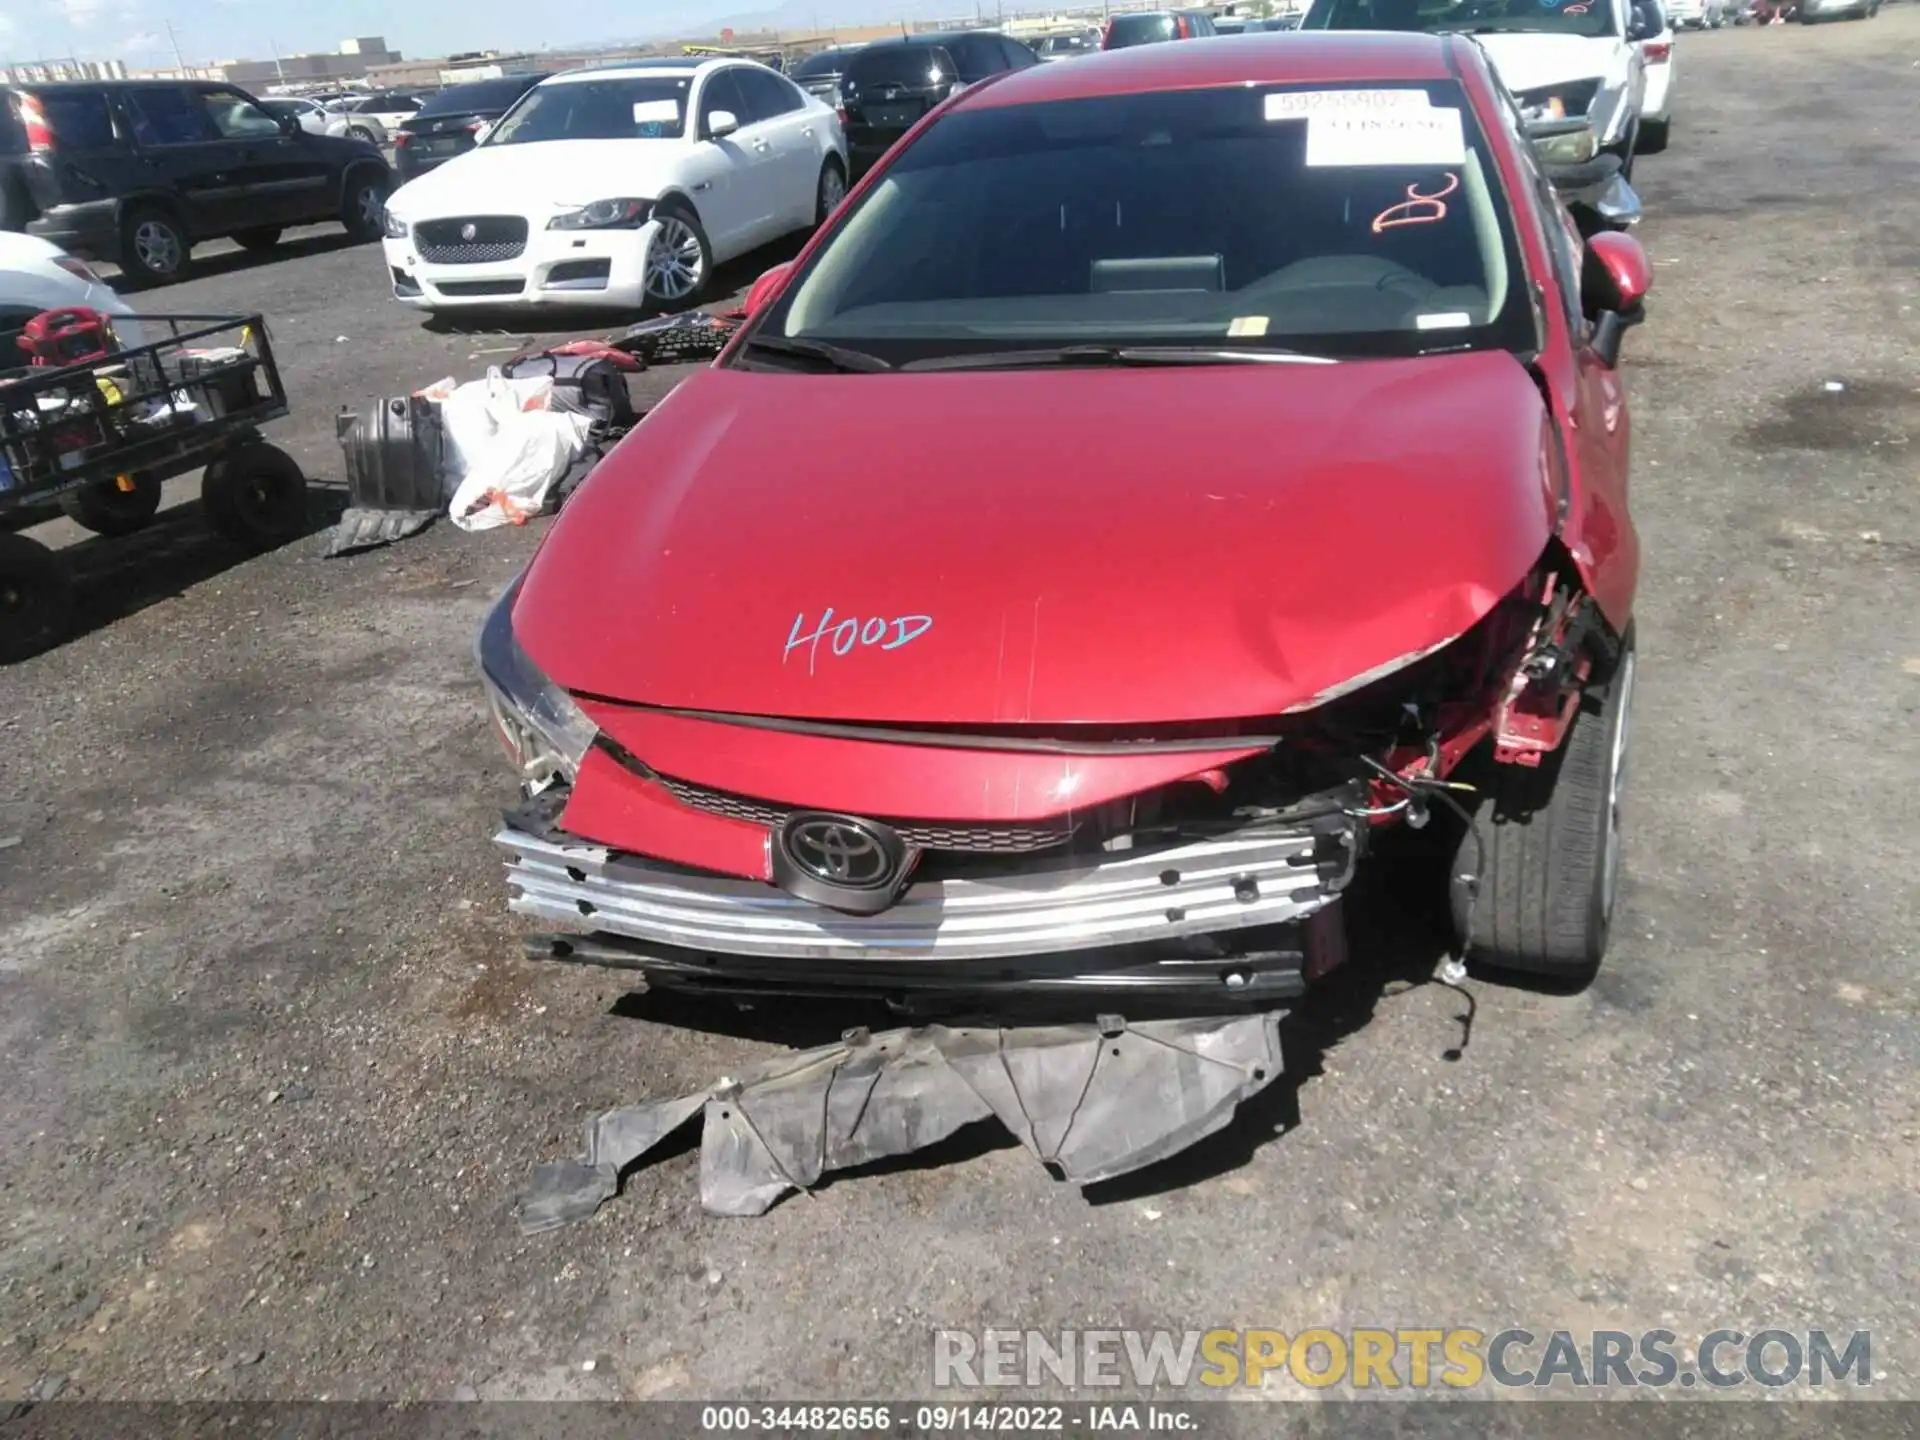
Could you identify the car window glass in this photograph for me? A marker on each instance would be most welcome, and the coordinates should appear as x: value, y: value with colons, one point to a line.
x: 481, y: 95
x: 79, y: 121
x: 1129, y: 219
x: 1563, y: 246
x: 977, y: 56
x: 722, y: 92
x: 1018, y: 56
x: 767, y: 93
x: 164, y: 116
x: 825, y: 62
x: 1139, y: 30
x: 236, y: 117
x: 617, y: 108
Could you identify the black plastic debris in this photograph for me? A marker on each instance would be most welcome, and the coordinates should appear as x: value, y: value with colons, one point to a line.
x: 1091, y: 1101
x: 359, y: 529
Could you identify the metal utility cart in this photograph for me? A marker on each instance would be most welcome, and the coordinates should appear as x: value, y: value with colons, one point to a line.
x: 101, y: 436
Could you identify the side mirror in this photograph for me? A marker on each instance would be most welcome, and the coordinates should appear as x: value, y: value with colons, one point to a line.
x: 482, y: 131
x: 761, y: 294
x: 1646, y: 23
x: 288, y: 124
x: 1616, y: 276
x: 722, y: 123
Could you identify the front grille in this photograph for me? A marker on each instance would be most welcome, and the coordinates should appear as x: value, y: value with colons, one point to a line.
x: 495, y: 238
x: 473, y: 288
x: 984, y: 838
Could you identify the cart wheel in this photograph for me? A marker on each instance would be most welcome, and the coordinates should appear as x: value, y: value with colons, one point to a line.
x: 107, y: 509
x: 256, y: 497
x: 36, y: 597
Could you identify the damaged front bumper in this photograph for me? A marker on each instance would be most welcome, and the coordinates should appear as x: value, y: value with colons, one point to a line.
x: 1237, y: 917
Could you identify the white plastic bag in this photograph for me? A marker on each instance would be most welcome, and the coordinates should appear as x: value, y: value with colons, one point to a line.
x: 473, y: 414
x: 507, y: 481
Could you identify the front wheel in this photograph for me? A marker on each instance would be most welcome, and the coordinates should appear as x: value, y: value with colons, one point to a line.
x: 831, y: 190
x: 256, y: 496
x: 364, y: 211
x: 119, y: 506
x: 1545, y: 846
x: 36, y: 597
x: 680, y: 260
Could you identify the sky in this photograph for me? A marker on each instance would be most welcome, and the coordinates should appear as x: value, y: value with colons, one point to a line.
x: 208, y: 30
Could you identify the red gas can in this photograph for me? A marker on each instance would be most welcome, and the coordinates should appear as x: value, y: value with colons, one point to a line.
x: 67, y: 337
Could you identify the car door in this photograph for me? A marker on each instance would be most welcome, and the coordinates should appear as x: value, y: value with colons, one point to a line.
x: 793, y: 128
x: 283, y: 178
x: 721, y: 169
x: 179, y: 151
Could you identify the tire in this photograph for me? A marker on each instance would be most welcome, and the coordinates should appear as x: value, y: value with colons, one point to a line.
x: 15, y: 209
x: 1653, y: 136
x: 106, y: 509
x: 829, y: 191
x: 36, y: 597
x: 679, y: 259
x: 154, y: 247
x: 361, y: 132
x: 255, y: 497
x: 263, y: 238
x: 363, y: 209
x: 1548, y: 851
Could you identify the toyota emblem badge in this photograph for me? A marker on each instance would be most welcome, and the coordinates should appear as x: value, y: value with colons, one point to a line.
x: 469, y: 231
x: 841, y: 862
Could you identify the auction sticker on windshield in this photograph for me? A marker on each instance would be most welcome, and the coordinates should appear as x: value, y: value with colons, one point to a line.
x: 1299, y: 104
x: 1401, y: 137
x: 647, y: 112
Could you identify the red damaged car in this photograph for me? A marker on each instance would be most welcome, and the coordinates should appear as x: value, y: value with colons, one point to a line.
x: 1162, y: 473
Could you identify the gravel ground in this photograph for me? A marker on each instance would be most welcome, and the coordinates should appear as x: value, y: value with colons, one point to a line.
x: 276, y: 1071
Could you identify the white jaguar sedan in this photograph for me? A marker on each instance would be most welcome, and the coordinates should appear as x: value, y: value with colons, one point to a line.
x: 622, y: 186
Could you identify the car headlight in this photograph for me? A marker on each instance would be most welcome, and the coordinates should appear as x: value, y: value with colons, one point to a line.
x: 619, y: 214
x: 1558, y: 102
x: 544, y: 731
x: 396, y: 228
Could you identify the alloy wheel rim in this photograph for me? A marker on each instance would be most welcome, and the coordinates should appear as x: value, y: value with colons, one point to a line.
x: 832, y: 191
x: 371, y: 205
x: 675, y: 263
x: 157, y: 246
x: 1616, y: 773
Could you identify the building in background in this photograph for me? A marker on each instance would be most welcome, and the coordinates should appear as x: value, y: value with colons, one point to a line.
x: 351, y: 62
x: 48, y: 72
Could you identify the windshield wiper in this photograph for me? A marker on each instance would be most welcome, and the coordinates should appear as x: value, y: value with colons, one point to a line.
x: 857, y: 362
x: 1117, y: 355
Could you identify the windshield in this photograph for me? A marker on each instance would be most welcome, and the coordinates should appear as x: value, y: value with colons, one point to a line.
x: 914, y: 66
x: 1591, y: 18
x: 1066, y: 44
x: 826, y: 62
x: 480, y: 95
x: 1335, y: 221
x: 618, y: 108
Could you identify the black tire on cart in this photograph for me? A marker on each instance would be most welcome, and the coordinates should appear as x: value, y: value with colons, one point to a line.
x: 1548, y: 851
x: 106, y: 509
x: 154, y: 246
x: 264, y: 237
x: 256, y: 496
x: 36, y: 597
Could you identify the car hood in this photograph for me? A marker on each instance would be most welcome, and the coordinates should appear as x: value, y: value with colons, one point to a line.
x: 1529, y: 62
x: 554, y: 175
x: 1075, y: 546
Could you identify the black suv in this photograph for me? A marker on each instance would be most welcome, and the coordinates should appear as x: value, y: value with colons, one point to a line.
x: 890, y: 84
x: 137, y: 171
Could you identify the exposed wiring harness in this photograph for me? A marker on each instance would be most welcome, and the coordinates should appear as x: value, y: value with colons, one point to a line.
x: 1418, y: 792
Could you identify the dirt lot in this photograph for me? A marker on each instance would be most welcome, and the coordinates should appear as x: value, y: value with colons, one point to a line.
x: 276, y: 1070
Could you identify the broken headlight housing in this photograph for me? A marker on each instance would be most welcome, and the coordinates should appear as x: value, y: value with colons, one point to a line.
x: 544, y: 731
x: 1566, y: 101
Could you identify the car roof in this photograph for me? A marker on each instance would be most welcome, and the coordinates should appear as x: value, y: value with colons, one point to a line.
x: 1295, y: 57
x: 929, y: 37
x: 653, y: 65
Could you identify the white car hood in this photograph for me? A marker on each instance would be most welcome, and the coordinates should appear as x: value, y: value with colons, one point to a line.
x: 548, y: 177
x: 1529, y: 62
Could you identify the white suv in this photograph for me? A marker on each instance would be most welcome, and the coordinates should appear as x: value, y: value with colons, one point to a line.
x: 618, y: 187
